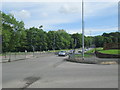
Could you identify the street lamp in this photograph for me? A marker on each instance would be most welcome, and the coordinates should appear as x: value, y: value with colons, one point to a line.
x: 90, y: 39
x: 54, y: 41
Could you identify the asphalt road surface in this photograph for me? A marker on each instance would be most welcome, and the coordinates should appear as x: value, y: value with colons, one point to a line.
x: 53, y: 72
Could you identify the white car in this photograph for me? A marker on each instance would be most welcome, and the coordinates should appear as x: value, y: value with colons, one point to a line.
x: 62, y: 53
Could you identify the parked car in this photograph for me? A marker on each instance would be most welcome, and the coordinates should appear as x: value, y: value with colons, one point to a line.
x: 62, y: 53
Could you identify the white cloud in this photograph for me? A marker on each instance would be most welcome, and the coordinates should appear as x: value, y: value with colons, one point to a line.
x: 102, y: 29
x: 90, y: 8
x: 48, y: 22
x: 69, y: 8
x: 97, y: 31
x: 23, y: 14
x: 44, y: 14
x: 95, y: 8
x: 72, y: 31
x: 51, y: 14
x: 92, y: 31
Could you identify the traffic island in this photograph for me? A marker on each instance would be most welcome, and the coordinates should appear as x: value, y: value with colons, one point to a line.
x: 81, y: 61
x: 102, y: 62
x: 92, y: 60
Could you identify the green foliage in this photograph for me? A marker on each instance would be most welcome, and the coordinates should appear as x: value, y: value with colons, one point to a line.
x: 59, y: 39
x: 112, y: 37
x: 90, y: 51
x: 12, y: 33
x: 78, y: 39
x: 16, y: 38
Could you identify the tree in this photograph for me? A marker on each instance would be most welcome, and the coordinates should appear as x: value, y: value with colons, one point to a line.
x: 13, y: 32
x: 37, y: 39
x: 78, y: 38
x: 99, y: 41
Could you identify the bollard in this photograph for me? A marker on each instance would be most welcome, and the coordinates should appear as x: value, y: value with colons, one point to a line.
x: 25, y: 54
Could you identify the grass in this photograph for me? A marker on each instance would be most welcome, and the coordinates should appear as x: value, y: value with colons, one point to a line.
x: 98, y: 49
x: 87, y: 54
x: 111, y: 51
x: 93, y: 50
x: 80, y: 55
x: 90, y: 51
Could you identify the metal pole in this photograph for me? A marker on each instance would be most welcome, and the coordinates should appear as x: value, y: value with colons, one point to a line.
x: 82, y: 30
x: 90, y: 39
x: 54, y: 42
x: 75, y: 44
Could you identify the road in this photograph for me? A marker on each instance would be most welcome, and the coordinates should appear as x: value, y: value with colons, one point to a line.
x: 53, y: 72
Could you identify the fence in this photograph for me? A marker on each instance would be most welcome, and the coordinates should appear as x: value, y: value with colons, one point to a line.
x: 8, y: 57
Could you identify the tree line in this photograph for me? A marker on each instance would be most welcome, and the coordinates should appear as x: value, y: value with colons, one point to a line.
x: 15, y: 37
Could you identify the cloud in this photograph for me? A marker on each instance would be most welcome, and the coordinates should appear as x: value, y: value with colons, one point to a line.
x: 92, y: 31
x: 44, y: 14
x: 68, y: 9
x: 90, y: 8
x: 98, y: 8
x: 59, y: 15
x: 47, y: 22
x: 98, y: 31
x: 72, y: 31
x: 23, y: 14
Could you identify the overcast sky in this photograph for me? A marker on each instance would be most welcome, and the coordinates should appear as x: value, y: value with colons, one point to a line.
x: 100, y: 17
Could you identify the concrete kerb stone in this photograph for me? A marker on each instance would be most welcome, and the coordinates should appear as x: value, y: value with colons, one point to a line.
x: 92, y: 61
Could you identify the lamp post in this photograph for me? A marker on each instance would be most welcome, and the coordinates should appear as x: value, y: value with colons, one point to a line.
x: 54, y: 42
x: 75, y: 44
x: 90, y: 39
x: 82, y: 30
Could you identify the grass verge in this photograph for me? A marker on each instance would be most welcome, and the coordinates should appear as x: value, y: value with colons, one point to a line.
x: 85, y: 55
x: 111, y: 51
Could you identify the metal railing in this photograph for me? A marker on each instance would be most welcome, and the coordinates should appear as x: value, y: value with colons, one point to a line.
x: 12, y: 56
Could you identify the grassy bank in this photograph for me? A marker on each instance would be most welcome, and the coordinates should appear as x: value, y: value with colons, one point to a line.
x: 111, y: 51
x: 93, y: 50
x: 85, y: 55
x: 88, y: 53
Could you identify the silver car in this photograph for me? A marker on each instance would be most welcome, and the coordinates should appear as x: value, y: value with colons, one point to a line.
x: 62, y: 53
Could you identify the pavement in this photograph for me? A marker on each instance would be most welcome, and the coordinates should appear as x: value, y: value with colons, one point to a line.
x: 52, y: 71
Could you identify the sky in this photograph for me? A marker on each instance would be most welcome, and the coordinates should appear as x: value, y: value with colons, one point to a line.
x: 99, y: 17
